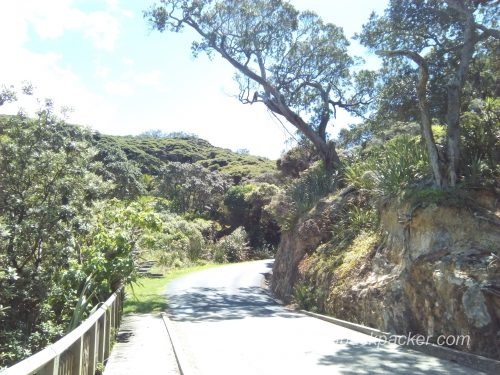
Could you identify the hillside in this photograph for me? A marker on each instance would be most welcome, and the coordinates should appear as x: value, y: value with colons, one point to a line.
x: 152, y: 153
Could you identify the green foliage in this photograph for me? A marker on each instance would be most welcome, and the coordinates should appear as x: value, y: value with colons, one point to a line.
x: 481, y: 142
x: 181, y: 242
x: 246, y: 205
x: 361, y: 218
x: 192, y: 188
x: 309, y: 297
x: 125, y: 174
x: 312, y: 185
x: 65, y: 243
x: 80, y: 309
x: 414, y: 27
x: 236, y: 200
x: 463, y: 37
x: 297, y: 160
x: 429, y: 195
x: 61, y: 249
x: 390, y: 168
x: 289, y: 204
x: 305, y: 296
x: 47, y: 189
x: 283, y: 210
x: 231, y: 248
x: 291, y: 61
x: 439, y: 132
x: 153, y: 153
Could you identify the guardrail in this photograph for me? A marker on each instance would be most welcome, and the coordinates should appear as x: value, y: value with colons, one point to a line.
x: 82, y: 351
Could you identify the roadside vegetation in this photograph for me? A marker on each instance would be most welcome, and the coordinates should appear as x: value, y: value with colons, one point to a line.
x: 147, y: 295
x: 80, y: 212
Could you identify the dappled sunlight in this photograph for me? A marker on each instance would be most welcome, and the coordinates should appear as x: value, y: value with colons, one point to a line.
x: 204, y: 304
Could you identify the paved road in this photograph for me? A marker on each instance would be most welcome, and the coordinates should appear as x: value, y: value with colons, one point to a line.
x: 225, y: 323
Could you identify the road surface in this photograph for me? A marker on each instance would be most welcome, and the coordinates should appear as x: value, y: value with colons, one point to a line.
x: 225, y: 323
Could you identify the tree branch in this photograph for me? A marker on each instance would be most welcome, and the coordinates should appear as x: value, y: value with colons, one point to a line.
x: 487, y: 32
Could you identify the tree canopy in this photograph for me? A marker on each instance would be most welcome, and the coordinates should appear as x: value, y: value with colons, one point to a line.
x: 443, y: 39
x: 291, y: 61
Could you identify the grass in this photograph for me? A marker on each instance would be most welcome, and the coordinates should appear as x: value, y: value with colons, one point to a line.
x: 362, y: 245
x: 148, y: 294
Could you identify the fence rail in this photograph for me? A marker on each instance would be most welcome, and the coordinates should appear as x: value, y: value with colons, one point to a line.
x: 80, y: 352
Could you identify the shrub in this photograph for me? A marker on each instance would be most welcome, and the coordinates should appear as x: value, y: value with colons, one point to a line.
x: 232, y: 248
x: 181, y: 241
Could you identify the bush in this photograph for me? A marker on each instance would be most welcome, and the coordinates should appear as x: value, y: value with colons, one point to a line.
x: 181, y: 241
x: 246, y: 205
x: 232, y: 248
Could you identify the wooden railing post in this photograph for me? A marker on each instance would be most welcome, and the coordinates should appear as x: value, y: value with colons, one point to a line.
x: 107, y: 333
x: 101, y: 339
x: 92, y: 349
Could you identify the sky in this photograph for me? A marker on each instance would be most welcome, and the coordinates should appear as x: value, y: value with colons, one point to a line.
x: 100, y: 58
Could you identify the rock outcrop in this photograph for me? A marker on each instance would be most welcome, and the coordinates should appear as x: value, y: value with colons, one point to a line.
x: 435, y: 271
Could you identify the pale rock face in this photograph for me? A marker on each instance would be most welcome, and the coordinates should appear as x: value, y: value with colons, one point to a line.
x: 475, y: 307
x: 434, y: 274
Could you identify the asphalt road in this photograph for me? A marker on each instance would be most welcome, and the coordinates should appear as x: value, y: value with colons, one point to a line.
x: 225, y: 323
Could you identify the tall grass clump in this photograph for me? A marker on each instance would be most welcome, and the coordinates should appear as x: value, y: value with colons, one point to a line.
x: 312, y: 185
x: 289, y: 204
x: 390, y: 168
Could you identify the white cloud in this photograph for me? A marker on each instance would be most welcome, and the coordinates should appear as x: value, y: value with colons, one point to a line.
x: 114, y: 5
x: 57, y: 83
x: 119, y: 88
x: 102, y: 29
x: 128, y: 61
x: 102, y: 72
x: 152, y: 78
x: 12, y: 27
x: 51, y: 19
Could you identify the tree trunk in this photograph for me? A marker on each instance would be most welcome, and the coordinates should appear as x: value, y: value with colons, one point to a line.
x: 331, y: 158
x: 455, y: 88
x: 453, y: 134
x: 423, y: 104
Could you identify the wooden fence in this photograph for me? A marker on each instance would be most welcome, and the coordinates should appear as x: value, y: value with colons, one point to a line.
x: 83, y: 351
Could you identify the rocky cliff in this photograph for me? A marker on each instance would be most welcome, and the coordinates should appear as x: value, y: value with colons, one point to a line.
x: 430, y: 267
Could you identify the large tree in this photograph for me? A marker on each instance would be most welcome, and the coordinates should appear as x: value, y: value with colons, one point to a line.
x: 293, y: 62
x: 46, y: 191
x: 441, y: 38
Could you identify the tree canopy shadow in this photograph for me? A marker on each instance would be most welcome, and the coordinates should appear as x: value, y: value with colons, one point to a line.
x: 379, y: 359
x: 215, y: 304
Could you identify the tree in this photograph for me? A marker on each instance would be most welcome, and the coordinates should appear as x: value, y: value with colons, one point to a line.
x: 46, y: 193
x: 117, y: 168
x: 192, y: 188
x: 441, y: 38
x: 292, y: 62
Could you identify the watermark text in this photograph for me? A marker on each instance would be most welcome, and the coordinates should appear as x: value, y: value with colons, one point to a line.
x: 409, y: 340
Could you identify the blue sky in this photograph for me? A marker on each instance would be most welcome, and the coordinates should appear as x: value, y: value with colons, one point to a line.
x: 100, y: 58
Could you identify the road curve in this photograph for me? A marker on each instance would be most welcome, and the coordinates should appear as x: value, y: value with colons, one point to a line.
x: 226, y: 323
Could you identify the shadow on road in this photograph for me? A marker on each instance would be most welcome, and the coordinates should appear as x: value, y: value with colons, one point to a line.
x: 214, y: 304
x: 361, y: 358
